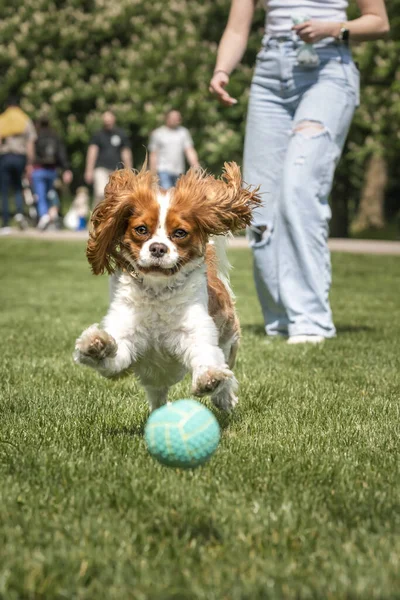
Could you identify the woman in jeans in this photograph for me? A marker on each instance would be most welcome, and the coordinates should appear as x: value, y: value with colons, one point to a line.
x: 303, y: 95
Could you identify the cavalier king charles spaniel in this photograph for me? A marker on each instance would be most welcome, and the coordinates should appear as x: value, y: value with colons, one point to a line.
x: 172, y: 310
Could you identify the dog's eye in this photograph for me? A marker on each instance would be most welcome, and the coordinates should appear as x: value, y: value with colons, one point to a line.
x: 141, y: 230
x: 180, y: 233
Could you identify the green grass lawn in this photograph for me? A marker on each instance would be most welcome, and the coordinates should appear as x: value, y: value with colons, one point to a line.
x: 302, y: 499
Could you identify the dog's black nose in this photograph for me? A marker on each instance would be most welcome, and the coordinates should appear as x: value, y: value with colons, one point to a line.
x: 158, y: 250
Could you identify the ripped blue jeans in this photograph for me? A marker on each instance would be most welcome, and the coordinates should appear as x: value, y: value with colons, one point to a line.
x: 297, y: 123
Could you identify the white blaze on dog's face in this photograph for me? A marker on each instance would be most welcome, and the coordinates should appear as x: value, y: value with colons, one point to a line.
x: 158, y: 251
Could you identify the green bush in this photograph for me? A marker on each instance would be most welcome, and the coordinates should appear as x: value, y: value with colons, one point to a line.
x: 75, y: 58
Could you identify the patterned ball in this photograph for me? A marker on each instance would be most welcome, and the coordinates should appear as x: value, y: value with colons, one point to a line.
x: 182, y: 434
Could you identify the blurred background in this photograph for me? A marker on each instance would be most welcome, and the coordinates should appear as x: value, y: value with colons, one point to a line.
x: 73, y: 59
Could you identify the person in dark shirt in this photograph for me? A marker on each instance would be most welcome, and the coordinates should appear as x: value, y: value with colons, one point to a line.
x: 108, y: 148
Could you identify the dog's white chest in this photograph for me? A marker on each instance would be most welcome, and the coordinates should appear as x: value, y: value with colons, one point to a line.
x: 158, y: 368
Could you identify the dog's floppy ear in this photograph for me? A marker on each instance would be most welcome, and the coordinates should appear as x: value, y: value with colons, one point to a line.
x: 219, y: 205
x: 110, y: 217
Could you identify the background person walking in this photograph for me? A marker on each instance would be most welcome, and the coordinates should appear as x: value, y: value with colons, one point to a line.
x: 17, y: 138
x: 169, y: 145
x: 108, y: 148
x: 302, y: 101
x: 50, y: 155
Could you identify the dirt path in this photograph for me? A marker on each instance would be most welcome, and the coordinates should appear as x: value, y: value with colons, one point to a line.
x: 335, y: 244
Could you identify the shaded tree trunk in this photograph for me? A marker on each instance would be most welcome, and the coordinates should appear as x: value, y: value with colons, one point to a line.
x: 370, y: 214
x: 339, y: 225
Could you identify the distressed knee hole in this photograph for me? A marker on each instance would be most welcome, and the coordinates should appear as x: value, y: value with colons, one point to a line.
x: 309, y: 129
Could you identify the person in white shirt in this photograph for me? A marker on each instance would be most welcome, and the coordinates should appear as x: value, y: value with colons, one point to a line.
x: 169, y: 146
x: 303, y: 95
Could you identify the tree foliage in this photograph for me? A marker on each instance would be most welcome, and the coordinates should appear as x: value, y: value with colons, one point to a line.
x: 75, y: 58
x: 375, y: 129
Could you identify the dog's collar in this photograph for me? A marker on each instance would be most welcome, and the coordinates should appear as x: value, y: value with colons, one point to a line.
x: 130, y: 269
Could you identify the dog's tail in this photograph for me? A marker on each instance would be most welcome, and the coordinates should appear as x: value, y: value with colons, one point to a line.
x: 220, y: 243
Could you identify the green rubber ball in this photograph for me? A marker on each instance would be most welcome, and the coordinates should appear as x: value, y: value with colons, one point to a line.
x: 183, y: 434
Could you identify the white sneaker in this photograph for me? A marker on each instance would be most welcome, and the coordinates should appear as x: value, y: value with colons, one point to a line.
x: 43, y: 222
x: 21, y: 221
x: 306, y: 339
x: 5, y: 230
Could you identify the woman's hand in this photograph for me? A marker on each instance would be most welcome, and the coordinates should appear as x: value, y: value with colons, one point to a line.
x: 218, y: 82
x: 88, y: 176
x: 315, y: 31
x: 67, y: 177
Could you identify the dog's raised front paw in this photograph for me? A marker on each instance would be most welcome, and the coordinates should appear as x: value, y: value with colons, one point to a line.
x: 94, y: 345
x: 225, y: 397
x: 207, y: 380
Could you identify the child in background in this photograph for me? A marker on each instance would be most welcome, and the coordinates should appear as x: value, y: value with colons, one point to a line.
x: 77, y: 216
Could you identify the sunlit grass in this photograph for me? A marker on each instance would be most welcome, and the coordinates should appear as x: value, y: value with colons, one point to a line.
x: 300, y: 501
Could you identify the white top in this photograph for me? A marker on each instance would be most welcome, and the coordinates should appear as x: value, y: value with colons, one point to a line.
x: 280, y: 13
x: 170, y: 145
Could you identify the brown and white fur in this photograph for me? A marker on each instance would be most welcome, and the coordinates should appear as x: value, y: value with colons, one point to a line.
x: 172, y: 311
